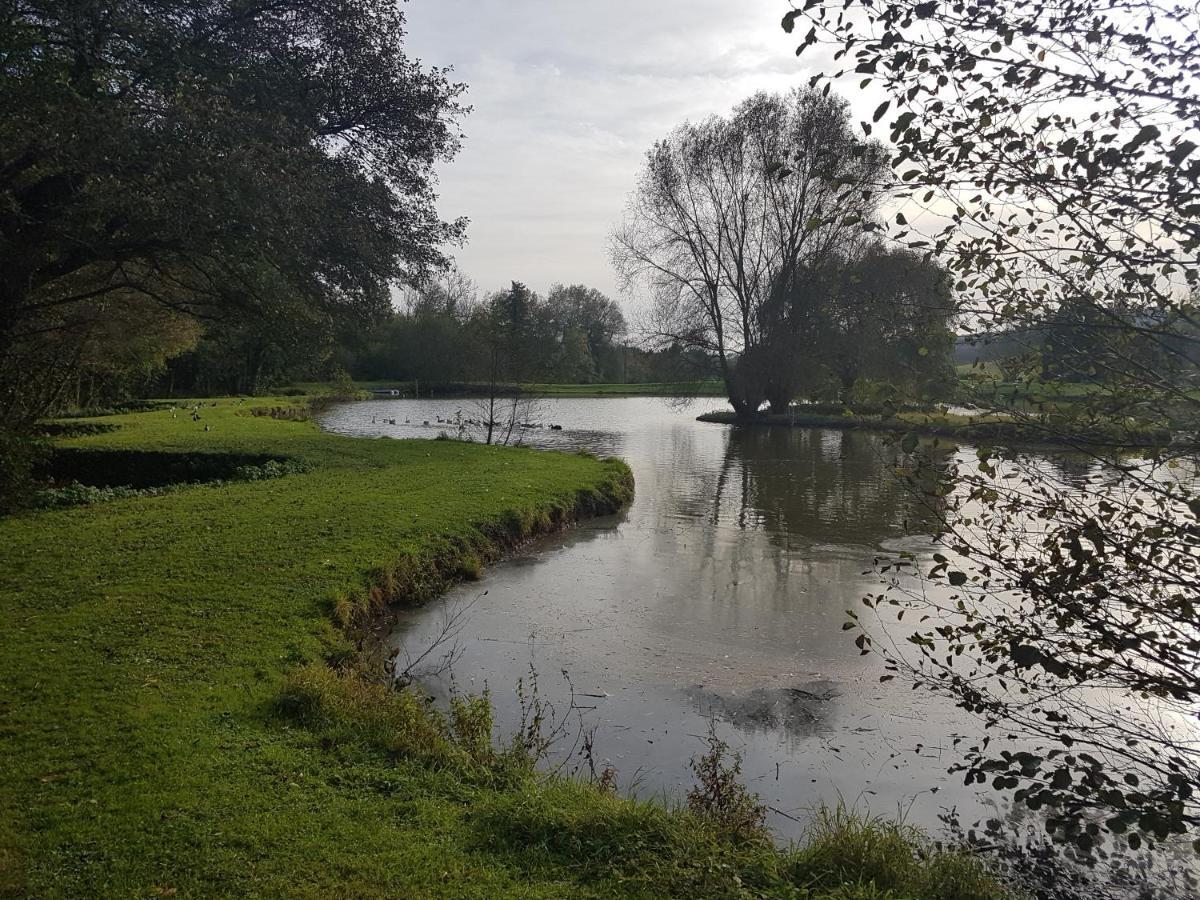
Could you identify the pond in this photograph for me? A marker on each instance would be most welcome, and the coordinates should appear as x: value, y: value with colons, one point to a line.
x: 718, y: 596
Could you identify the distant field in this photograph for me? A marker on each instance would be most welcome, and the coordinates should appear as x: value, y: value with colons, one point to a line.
x: 980, y: 370
x: 988, y: 389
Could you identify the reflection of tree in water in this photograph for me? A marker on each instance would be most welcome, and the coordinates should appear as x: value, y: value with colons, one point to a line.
x: 802, y: 710
x: 1073, y: 470
x: 819, y: 485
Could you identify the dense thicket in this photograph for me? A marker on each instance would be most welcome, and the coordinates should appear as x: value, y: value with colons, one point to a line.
x: 569, y: 336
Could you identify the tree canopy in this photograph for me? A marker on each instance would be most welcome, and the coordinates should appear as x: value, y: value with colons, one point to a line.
x: 214, y: 159
x: 747, y: 232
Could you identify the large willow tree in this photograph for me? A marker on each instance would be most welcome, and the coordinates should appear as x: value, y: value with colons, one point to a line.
x: 206, y: 158
x: 732, y: 212
x: 1051, y: 152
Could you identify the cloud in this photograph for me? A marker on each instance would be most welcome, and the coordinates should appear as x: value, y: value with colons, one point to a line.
x: 568, y: 96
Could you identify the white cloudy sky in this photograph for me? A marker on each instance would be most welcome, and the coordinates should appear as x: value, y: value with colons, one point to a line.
x: 568, y: 95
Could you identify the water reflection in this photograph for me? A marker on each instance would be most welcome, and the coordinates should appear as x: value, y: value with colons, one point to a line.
x: 803, y: 710
x: 820, y: 486
x: 720, y: 593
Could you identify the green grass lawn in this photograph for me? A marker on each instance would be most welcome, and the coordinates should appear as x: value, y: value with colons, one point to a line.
x: 170, y: 725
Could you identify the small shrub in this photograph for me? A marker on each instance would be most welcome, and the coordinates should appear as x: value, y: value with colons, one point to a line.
x: 470, y: 724
x: 720, y: 796
x: 76, y: 494
x: 341, y: 385
x: 82, y: 477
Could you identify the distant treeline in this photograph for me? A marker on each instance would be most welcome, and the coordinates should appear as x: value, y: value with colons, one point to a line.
x: 441, y: 332
x: 1075, y: 343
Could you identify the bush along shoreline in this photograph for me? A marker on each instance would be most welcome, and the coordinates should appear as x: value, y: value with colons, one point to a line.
x: 981, y: 428
x: 195, y: 704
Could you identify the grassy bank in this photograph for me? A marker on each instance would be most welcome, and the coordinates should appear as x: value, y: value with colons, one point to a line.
x: 184, y: 710
x: 1055, y: 430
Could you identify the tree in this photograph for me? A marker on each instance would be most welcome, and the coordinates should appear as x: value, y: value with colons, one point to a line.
x: 1051, y: 151
x: 500, y: 335
x: 250, y: 352
x: 445, y: 292
x: 127, y: 350
x: 729, y: 208
x: 891, y: 318
x: 210, y: 158
x: 576, y: 311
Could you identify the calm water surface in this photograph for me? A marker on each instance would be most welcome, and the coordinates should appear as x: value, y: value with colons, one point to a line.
x: 720, y: 593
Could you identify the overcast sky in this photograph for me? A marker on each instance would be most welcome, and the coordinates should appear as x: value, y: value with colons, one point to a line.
x: 568, y: 95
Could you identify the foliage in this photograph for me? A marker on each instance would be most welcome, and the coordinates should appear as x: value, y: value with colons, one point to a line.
x: 447, y: 334
x: 1019, y: 850
x: 734, y: 221
x: 1049, y: 158
x: 879, y: 314
x: 166, y: 161
x: 892, y: 314
x: 20, y: 455
x: 719, y: 794
x: 247, y: 353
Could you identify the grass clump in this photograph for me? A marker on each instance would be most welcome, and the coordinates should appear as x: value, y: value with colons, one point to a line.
x: 852, y: 856
x: 629, y: 847
x: 342, y: 707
